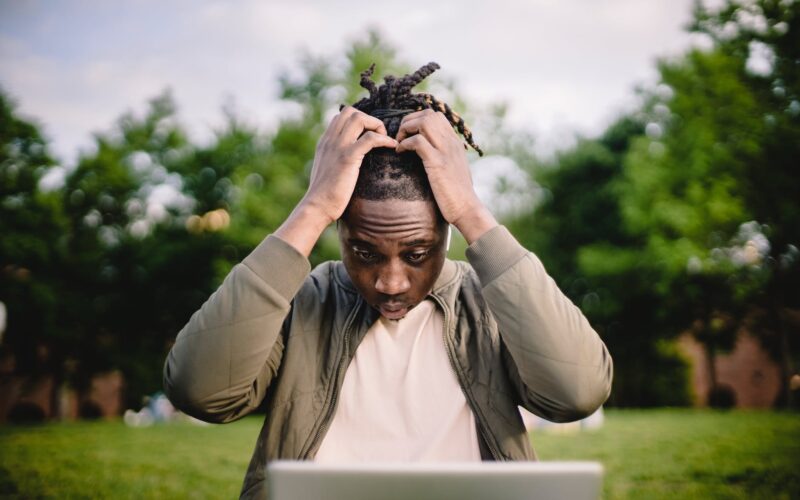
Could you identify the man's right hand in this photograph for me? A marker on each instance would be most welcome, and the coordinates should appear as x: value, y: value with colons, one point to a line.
x: 340, y: 151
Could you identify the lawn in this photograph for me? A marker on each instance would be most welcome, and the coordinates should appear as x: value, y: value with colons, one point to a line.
x: 647, y: 454
x: 689, y: 453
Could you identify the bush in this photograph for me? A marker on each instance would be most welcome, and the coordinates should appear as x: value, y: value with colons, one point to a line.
x: 650, y: 376
x: 722, y: 397
x: 26, y: 413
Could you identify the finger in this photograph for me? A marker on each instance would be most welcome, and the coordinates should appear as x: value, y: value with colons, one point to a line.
x: 425, y: 125
x: 371, y: 140
x: 419, y: 144
x: 411, y: 118
x: 359, y: 122
x: 338, y: 121
x: 417, y: 114
x: 408, y: 128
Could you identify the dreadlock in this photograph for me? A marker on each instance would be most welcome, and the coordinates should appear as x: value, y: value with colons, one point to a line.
x: 384, y: 173
x: 393, y: 100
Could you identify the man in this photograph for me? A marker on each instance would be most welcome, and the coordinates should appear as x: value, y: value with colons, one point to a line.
x: 395, y: 353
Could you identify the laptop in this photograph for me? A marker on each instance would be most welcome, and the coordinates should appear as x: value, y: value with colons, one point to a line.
x: 290, y: 480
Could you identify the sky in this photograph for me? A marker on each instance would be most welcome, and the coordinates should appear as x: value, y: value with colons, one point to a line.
x: 563, y: 66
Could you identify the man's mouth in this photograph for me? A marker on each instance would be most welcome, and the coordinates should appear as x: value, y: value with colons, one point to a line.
x: 393, y: 310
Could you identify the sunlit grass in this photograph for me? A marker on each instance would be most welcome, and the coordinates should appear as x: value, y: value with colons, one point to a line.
x: 689, y: 453
x: 110, y: 460
x: 647, y: 454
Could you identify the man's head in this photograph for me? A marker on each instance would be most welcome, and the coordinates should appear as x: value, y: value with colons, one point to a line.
x: 393, y: 237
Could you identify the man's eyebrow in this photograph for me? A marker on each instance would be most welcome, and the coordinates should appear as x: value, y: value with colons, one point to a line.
x: 363, y: 243
x: 417, y: 242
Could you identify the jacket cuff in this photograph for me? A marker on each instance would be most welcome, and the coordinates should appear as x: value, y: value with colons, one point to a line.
x: 280, y: 265
x: 493, y: 253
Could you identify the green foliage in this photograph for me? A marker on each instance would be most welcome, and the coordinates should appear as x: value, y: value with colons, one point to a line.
x: 578, y: 232
x: 682, y: 186
x: 134, y: 274
x: 712, y: 188
x: 684, y: 216
x: 31, y: 225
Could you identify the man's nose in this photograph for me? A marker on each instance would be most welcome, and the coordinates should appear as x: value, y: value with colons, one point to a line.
x: 392, y: 279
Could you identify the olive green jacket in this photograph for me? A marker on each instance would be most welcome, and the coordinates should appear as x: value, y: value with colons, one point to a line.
x: 275, y: 331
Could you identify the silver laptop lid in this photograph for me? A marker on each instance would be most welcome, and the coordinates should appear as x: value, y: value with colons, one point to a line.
x: 445, y: 481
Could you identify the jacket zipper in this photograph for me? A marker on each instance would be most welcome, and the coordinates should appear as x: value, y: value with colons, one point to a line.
x: 329, y: 410
x: 488, y: 438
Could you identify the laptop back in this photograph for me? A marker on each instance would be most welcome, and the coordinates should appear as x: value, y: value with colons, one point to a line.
x: 440, y: 481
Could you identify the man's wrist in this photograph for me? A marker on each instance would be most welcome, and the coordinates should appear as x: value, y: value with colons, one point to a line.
x: 303, y: 228
x: 475, y: 223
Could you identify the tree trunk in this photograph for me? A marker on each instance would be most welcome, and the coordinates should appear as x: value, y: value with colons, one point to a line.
x: 785, y: 400
x: 776, y: 318
x: 711, y: 355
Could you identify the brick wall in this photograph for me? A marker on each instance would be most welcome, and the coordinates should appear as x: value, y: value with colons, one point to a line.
x: 754, y: 377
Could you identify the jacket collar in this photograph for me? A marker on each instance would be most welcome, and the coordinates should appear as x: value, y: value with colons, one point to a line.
x: 442, y: 288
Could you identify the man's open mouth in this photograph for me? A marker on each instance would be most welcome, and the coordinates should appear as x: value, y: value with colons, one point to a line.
x: 391, y: 310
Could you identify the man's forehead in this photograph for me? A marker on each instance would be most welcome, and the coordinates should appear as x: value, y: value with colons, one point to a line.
x: 399, y: 218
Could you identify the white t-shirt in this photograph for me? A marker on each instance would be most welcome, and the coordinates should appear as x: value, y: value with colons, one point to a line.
x: 400, y: 400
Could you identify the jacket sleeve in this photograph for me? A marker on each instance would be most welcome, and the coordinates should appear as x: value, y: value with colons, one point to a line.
x: 561, y: 367
x: 225, y: 357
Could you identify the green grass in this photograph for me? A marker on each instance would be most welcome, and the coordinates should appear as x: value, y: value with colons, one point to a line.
x: 647, y: 454
x: 110, y: 460
x: 688, y: 453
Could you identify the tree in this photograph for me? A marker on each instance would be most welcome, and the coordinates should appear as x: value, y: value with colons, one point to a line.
x: 719, y: 162
x: 32, y: 226
x: 577, y: 230
x: 131, y: 271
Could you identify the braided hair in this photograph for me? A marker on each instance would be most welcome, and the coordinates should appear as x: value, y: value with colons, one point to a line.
x: 393, y: 100
x: 386, y: 174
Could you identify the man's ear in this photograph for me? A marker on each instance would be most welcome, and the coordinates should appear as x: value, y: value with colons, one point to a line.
x: 449, y: 236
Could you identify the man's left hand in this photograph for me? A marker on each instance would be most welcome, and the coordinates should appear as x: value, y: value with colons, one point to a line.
x: 432, y: 137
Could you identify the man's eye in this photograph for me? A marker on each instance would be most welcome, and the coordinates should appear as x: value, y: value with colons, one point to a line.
x: 364, y: 255
x: 417, y: 256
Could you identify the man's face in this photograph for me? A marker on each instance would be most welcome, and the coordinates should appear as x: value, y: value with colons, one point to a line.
x: 393, y: 251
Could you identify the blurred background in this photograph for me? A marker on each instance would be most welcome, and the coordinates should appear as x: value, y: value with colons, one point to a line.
x: 646, y: 151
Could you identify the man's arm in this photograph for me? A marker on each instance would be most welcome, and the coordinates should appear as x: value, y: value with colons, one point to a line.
x: 226, y: 356
x: 228, y: 353
x: 561, y: 367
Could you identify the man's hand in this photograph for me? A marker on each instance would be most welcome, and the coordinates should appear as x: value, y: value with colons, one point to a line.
x: 340, y: 151
x: 432, y: 137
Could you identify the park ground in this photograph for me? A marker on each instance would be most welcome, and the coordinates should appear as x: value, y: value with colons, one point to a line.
x: 667, y: 453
